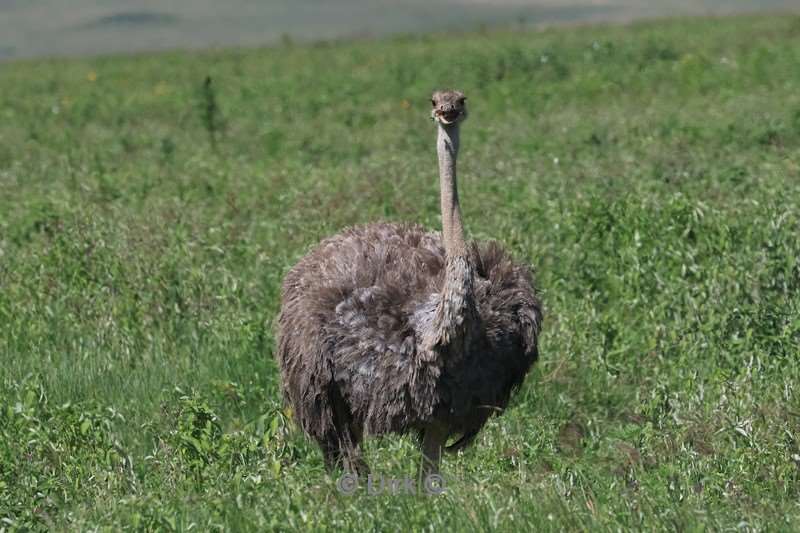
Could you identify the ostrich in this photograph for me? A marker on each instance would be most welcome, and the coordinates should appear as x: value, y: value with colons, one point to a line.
x: 388, y: 328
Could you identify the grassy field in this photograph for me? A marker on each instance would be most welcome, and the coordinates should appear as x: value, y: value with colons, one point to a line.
x: 650, y: 173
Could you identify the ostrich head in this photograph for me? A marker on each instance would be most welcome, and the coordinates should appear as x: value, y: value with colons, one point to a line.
x: 449, y: 107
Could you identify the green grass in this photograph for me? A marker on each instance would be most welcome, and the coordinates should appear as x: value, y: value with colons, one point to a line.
x: 650, y: 173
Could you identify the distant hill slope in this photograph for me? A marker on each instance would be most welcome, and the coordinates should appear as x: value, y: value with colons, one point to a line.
x: 46, y: 27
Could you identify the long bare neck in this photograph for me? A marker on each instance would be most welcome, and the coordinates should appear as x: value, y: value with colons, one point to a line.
x: 452, y: 224
x: 455, y: 313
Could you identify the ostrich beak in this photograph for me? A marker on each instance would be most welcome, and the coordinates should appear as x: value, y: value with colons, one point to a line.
x: 447, y: 117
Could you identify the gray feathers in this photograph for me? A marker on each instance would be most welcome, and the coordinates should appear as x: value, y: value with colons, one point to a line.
x: 374, y: 339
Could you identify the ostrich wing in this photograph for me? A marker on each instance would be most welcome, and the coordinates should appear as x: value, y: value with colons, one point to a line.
x: 346, y: 322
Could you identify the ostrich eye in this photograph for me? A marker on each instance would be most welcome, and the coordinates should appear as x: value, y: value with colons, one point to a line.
x: 462, y: 100
x: 433, y: 102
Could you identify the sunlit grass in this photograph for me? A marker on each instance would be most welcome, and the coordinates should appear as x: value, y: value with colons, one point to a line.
x: 650, y: 173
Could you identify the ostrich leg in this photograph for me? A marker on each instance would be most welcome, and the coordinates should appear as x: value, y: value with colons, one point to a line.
x: 353, y: 461
x: 432, y: 444
x: 341, y: 441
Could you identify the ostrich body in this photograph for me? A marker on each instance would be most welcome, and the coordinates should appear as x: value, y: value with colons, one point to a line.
x: 389, y: 328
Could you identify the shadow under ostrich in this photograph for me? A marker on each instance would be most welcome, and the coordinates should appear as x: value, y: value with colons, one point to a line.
x: 389, y: 328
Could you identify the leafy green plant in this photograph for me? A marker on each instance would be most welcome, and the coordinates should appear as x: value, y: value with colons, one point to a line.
x: 648, y: 172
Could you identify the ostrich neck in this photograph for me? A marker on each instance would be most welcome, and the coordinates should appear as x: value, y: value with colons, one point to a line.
x: 456, y: 309
x: 452, y: 225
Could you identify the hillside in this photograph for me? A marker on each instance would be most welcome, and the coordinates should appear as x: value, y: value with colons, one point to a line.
x: 37, y: 28
x: 649, y: 173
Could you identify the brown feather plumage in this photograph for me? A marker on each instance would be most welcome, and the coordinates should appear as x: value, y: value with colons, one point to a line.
x: 355, y: 311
